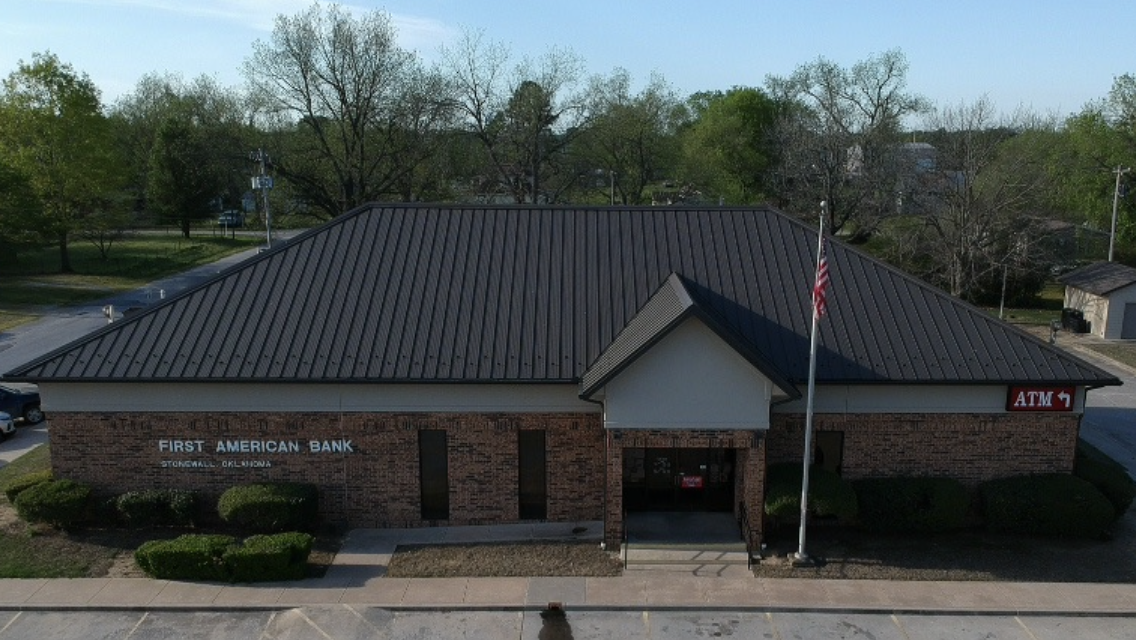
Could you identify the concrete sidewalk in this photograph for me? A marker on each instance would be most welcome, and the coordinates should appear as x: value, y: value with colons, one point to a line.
x: 654, y: 591
x: 358, y: 578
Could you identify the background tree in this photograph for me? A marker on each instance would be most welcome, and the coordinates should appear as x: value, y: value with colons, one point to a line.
x: 183, y: 181
x: 53, y: 134
x: 633, y: 136
x: 360, y: 114
x: 979, y: 201
x: 19, y: 211
x: 839, y: 138
x: 212, y: 123
x: 1095, y: 141
x: 526, y: 117
x: 729, y: 147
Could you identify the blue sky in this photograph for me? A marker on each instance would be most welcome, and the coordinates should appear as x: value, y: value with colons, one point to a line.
x: 1046, y: 55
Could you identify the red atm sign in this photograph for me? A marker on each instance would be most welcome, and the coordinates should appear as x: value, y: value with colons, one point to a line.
x: 1041, y: 398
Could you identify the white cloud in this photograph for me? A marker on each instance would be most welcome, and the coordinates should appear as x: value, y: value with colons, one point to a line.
x: 414, y: 32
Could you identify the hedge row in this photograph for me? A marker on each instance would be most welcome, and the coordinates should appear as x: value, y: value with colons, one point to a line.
x: 271, y: 507
x: 1051, y: 504
x: 16, y: 486
x: 1081, y: 505
x: 219, y: 558
x: 829, y: 494
x: 1107, y: 475
x: 59, y: 503
x: 912, y: 505
x: 156, y: 508
x: 255, y: 508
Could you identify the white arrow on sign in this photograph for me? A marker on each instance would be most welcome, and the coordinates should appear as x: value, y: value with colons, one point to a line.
x: 1065, y: 398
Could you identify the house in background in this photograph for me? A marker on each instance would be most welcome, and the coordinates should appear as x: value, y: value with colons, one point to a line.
x: 1105, y: 293
x: 446, y: 365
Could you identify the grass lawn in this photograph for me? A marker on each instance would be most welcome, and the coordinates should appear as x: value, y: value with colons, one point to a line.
x: 32, y: 281
x: 1047, y: 308
x: 1124, y: 352
x: 28, y: 551
x: 38, y: 459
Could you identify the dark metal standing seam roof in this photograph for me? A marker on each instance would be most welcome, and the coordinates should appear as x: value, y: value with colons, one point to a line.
x: 422, y: 293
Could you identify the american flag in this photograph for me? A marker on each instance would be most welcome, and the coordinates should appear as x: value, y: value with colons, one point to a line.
x: 820, y: 305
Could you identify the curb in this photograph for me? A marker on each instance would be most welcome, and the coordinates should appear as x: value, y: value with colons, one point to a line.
x: 593, y: 608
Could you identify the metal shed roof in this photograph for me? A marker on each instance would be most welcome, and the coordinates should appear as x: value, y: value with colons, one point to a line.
x: 431, y: 293
x: 1100, y: 278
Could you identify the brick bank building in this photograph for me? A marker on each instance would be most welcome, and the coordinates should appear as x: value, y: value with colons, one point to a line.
x: 446, y: 365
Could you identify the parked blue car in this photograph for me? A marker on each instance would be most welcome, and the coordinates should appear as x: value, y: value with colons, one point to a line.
x: 20, y: 404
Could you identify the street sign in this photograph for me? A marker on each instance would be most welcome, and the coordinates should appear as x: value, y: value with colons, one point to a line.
x: 262, y: 182
x: 1041, y: 398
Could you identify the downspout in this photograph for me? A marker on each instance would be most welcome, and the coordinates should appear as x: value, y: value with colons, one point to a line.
x: 603, y: 419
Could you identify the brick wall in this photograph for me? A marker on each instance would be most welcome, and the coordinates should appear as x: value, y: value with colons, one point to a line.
x: 375, y: 485
x: 969, y: 447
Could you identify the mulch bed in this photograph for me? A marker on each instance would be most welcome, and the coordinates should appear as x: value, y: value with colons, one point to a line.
x: 503, y: 560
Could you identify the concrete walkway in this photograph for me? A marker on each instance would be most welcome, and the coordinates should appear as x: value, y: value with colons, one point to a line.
x: 358, y: 578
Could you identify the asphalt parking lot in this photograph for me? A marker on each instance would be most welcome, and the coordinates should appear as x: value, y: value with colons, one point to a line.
x: 347, y: 622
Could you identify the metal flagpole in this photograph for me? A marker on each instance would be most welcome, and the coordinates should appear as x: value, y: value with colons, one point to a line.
x: 802, y: 557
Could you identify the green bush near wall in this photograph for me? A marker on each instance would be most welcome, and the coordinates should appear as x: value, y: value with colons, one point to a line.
x: 16, y: 485
x: 829, y: 494
x: 1055, y: 504
x: 220, y: 558
x: 156, y: 508
x: 283, y: 556
x: 188, y: 557
x: 60, y: 503
x: 270, y: 507
x: 1106, y: 474
x: 911, y: 505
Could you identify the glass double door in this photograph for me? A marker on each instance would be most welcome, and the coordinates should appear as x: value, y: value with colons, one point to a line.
x: 678, y: 479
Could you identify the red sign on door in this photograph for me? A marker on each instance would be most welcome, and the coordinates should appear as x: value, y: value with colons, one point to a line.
x: 1041, y: 398
x: 692, y: 482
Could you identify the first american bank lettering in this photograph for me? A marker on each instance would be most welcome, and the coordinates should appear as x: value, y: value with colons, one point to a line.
x: 226, y: 447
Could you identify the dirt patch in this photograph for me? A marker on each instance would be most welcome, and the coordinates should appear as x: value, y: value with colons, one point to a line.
x: 582, y: 559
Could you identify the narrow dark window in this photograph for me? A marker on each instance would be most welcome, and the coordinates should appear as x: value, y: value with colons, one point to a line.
x: 533, y: 475
x: 434, y: 478
x: 829, y: 451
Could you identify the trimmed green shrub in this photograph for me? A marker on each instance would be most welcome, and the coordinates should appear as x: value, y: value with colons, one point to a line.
x: 911, y: 505
x: 156, y: 508
x: 270, y: 507
x: 60, y: 503
x: 1056, y: 504
x: 261, y: 558
x: 1107, y: 475
x: 16, y: 485
x: 829, y: 494
x: 188, y: 557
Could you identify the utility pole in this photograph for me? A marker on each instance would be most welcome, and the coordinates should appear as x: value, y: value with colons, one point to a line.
x: 1115, y: 201
x: 264, y: 182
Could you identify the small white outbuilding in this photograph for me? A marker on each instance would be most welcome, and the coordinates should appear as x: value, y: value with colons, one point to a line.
x: 1105, y: 292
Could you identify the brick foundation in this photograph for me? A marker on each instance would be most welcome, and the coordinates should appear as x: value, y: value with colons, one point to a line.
x: 377, y: 485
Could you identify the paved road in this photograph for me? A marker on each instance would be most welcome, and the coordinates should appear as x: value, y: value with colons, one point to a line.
x: 346, y: 622
x: 30, y: 341
x: 1110, y: 413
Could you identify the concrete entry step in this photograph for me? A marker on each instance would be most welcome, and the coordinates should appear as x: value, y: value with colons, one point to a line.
x: 688, y: 542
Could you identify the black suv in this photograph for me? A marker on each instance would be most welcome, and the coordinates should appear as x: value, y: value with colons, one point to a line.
x: 21, y: 404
